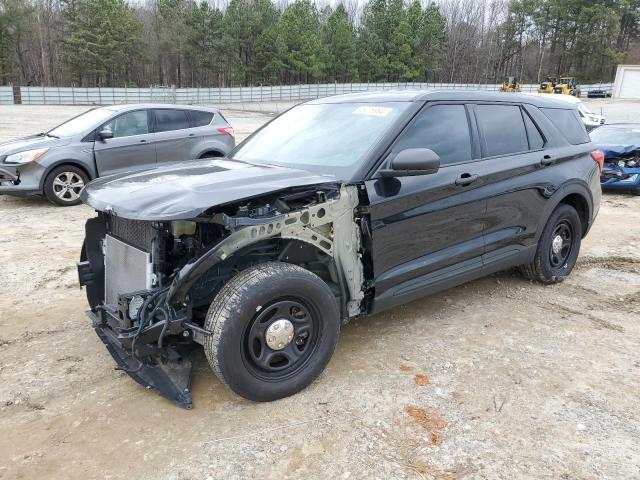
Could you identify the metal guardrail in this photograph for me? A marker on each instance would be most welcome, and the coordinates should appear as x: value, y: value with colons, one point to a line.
x: 108, y: 96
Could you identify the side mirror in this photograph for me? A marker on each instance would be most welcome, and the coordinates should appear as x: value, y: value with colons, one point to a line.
x: 413, y: 161
x: 105, y: 134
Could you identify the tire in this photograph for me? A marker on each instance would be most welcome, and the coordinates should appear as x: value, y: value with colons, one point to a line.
x: 553, y: 264
x: 245, y: 352
x: 63, y: 185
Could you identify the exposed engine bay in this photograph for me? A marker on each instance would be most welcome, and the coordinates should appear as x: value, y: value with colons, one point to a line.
x: 149, y: 283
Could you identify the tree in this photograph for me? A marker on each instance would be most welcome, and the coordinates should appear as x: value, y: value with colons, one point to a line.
x: 299, y: 28
x: 103, y: 39
x: 14, y: 16
x: 339, y: 39
x: 206, y: 44
x: 245, y: 21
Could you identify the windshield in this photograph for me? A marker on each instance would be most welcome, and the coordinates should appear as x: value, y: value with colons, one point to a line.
x: 330, y: 137
x: 82, y: 123
x: 583, y: 108
x: 616, y: 136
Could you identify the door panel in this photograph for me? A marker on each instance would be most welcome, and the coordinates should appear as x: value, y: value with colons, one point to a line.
x: 517, y: 181
x: 518, y: 192
x: 131, y: 147
x: 174, y: 138
x: 425, y: 225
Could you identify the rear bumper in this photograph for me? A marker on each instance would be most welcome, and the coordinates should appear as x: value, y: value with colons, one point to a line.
x: 172, y: 379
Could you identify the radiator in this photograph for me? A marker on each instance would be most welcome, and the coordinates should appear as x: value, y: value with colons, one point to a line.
x: 127, y: 269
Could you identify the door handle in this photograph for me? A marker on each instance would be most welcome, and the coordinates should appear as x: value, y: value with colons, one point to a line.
x: 192, y: 134
x: 143, y: 141
x: 466, y: 179
x: 546, y: 161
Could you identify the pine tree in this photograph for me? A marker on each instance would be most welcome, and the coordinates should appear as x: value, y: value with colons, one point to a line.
x: 103, y: 39
x: 340, y: 43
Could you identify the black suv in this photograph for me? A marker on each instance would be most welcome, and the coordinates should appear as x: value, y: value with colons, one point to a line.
x: 340, y: 207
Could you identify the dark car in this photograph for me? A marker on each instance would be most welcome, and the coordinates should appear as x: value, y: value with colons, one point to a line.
x: 598, y: 93
x: 339, y: 208
x: 620, y: 144
x: 107, y: 140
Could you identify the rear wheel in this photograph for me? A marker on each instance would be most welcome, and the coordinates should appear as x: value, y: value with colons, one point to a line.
x: 63, y: 185
x: 275, y: 327
x: 558, y: 247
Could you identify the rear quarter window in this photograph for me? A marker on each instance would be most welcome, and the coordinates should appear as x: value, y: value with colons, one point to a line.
x: 200, y: 118
x: 568, y: 123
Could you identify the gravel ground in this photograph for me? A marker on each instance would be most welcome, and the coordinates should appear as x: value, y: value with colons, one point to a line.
x: 495, y: 379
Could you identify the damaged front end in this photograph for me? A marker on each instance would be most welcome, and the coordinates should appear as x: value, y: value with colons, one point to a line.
x: 621, y: 168
x: 150, y: 283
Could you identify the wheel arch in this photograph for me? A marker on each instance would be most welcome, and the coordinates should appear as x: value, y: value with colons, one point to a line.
x: 340, y: 244
x: 211, y: 153
x: 295, y: 251
x: 59, y: 163
x: 581, y: 205
x: 575, y: 194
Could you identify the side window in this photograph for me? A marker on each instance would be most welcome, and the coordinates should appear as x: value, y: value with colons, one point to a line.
x: 502, y: 127
x: 441, y: 128
x: 128, y: 124
x: 568, y: 122
x: 536, y: 141
x: 200, y: 119
x: 167, y: 120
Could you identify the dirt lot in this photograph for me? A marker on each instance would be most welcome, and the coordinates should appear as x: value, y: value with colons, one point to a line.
x: 498, y: 378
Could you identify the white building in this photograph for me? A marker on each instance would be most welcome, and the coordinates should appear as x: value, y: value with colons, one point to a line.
x: 627, y: 83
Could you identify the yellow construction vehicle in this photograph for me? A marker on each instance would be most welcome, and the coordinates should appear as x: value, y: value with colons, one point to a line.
x: 548, y: 85
x: 567, y: 86
x: 511, y: 85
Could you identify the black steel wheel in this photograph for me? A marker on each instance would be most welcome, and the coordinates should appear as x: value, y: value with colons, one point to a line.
x: 561, y: 244
x: 558, y: 247
x: 275, y: 327
x: 280, y: 339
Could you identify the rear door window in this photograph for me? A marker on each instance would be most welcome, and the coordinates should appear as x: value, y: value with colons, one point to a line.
x: 502, y: 128
x: 200, y: 118
x: 568, y: 123
x: 441, y: 128
x: 168, y: 120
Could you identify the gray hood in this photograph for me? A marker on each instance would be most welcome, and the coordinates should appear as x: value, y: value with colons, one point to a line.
x: 29, y: 143
x: 185, y: 190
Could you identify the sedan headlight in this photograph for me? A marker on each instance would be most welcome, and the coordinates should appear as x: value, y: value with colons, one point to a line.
x: 25, y: 157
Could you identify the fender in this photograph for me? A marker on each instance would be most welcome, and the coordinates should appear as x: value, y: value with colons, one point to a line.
x: 89, y: 171
x: 329, y: 226
x: 210, y: 146
x: 567, y: 188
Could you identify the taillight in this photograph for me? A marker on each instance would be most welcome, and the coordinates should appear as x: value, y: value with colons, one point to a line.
x: 598, y: 157
x: 228, y: 130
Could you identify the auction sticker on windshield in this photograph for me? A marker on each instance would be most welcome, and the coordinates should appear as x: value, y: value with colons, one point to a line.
x: 372, y: 110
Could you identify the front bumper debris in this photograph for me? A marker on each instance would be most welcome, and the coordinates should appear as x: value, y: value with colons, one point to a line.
x: 169, y: 374
x: 7, y: 176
